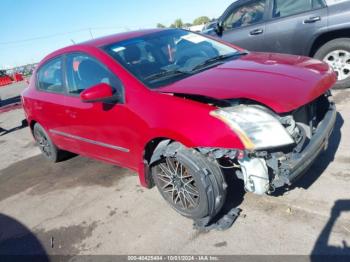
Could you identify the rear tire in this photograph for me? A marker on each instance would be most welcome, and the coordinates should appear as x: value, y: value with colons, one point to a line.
x: 191, y: 183
x: 47, y: 147
x: 336, y: 53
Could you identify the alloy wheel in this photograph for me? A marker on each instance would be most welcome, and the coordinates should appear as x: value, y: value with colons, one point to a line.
x: 339, y: 60
x: 43, y: 143
x: 177, y: 184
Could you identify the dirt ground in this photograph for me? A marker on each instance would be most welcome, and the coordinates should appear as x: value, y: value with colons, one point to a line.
x: 82, y: 206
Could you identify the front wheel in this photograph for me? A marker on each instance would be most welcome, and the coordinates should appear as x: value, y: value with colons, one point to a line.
x: 336, y: 53
x: 191, y: 183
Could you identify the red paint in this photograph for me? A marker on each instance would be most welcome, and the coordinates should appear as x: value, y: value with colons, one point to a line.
x: 5, y: 80
x: 96, y: 93
x: 281, y: 82
x: 277, y: 81
x: 17, y: 77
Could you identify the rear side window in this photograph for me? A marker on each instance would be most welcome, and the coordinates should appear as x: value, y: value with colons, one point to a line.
x: 284, y: 8
x: 49, y: 76
x: 84, y: 71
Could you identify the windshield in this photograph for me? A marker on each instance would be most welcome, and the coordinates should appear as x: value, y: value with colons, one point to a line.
x: 164, y: 57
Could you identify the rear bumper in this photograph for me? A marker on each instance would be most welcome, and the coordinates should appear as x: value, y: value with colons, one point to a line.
x: 299, y: 164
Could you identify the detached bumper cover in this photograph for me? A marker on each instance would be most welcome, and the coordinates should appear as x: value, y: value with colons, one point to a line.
x: 295, y: 167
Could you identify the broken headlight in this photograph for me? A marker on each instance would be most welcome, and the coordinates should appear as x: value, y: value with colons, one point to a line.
x: 256, y: 128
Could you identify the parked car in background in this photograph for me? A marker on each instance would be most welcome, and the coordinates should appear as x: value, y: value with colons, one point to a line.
x: 209, y: 26
x: 315, y: 28
x: 178, y: 107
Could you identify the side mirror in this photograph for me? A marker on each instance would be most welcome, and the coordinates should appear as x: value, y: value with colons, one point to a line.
x: 99, y: 93
x: 219, y: 28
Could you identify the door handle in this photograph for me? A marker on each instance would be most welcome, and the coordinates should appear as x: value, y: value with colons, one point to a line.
x: 312, y: 19
x: 258, y: 31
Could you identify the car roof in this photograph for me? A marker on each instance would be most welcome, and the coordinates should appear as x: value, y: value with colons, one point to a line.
x: 106, y: 40
x: 102, y: 41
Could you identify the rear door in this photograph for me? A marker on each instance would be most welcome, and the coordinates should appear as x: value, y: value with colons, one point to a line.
x: 292, y: 25
x: 244, y: 24
x: 48, y: 106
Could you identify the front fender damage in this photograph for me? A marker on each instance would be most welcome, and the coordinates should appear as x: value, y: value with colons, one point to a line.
x: 165, y: 148
x: 252, y: 170
x: 169, y: 148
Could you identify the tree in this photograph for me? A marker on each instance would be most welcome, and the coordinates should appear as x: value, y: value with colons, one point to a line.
x: 177, y: 24
x: 201, y: 20
x: 159, y: 25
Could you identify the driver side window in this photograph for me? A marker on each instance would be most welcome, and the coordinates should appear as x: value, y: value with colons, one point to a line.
x: 84, y: 71
x: 245, y: 15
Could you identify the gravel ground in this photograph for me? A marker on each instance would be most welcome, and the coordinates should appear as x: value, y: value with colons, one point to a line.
x: 82, y: 206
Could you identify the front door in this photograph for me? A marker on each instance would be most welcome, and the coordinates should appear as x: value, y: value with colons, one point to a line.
x: 99, y: 128
x: 244, y: 25
x: 49, y: 109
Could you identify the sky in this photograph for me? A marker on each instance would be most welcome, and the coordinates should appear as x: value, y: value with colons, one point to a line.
x: 31, y: 29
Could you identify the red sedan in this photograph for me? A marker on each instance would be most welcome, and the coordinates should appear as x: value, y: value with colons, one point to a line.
x: 178, y: 107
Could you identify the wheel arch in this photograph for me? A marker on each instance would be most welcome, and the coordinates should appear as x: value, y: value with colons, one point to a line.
x: 151, y: 153
x: 32, y: 124
x: 155, y: 145
x: 326, y: 37
x: 152, y: 146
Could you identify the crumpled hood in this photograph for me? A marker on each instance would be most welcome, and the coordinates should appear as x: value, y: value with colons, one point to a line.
x: 281, y: 82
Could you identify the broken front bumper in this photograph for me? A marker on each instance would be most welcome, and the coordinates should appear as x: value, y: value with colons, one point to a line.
x: 294, y: 167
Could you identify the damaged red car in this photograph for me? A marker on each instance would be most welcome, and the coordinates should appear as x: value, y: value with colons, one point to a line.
x: 178, y: 107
